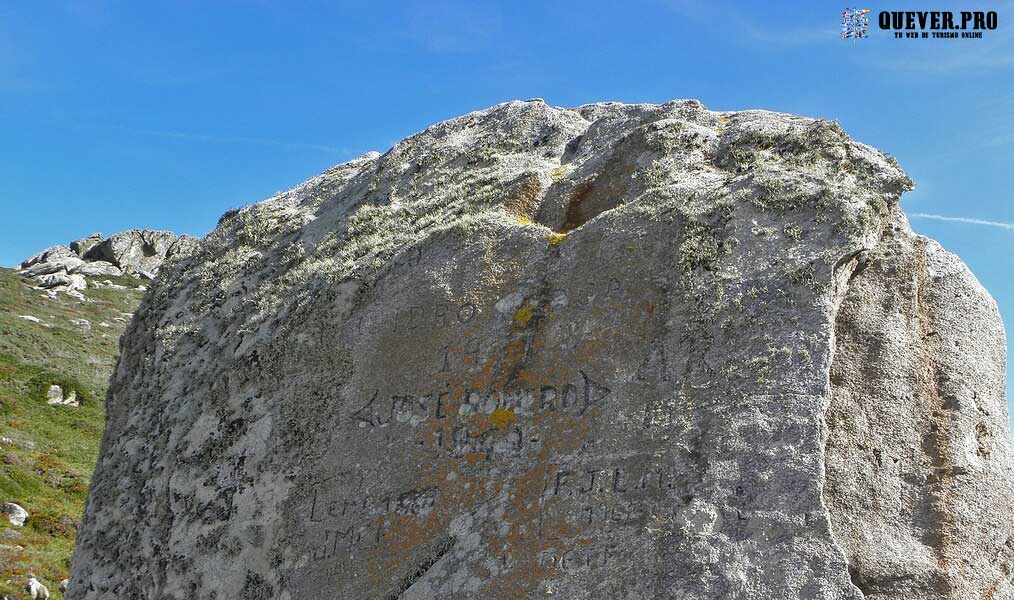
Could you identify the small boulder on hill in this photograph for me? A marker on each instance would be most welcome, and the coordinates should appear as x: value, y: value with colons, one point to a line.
x: 55, y: 396
x: 61, y: 282
x: 137, y: 252
x: 15, y: 514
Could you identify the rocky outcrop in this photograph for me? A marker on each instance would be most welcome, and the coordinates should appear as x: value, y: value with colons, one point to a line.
x: 82, y: 246
x: 617, y: 351
x: 53, y: 253
x: 136, y: 252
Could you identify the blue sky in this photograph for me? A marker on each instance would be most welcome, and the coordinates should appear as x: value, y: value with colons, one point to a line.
x: 122, y: 114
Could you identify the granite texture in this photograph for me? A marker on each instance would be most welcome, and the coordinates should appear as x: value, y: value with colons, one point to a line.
x: 610, y: 352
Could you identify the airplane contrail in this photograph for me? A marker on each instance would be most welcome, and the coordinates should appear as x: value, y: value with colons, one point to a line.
x: 963, y: 220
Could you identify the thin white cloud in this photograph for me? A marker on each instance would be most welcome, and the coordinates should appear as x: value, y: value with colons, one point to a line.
x: 967, y: 220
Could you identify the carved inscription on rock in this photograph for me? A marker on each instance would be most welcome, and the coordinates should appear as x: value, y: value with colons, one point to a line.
x: 489, y: 452
x: 466, y: 421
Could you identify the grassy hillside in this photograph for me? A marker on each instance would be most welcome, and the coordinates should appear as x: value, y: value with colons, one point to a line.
x: 47, y: 452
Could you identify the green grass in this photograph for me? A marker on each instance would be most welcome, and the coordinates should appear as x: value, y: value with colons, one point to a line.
x: 48, y: 468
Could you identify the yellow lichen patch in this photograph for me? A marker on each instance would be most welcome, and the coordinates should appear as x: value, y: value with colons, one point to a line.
x: 524, y: 314
x: 502, y: 418
x: 524, y: 221
x: 558, y: 173
x: 555, y: 238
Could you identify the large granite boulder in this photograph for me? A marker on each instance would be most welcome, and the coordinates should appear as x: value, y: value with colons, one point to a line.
x: 611, y: 352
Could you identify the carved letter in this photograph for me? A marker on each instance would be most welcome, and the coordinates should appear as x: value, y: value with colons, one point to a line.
x: 365, y: 413
x: 617, y: 486
x: 440, y: 405
x: 466, y: 312
x: 440, y: 315
x: 313, y: 507
x: 561, y: 476
x: 547, y: 398
x: 323, y: 552
x: 593, y: 393
x: 569, y: 397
